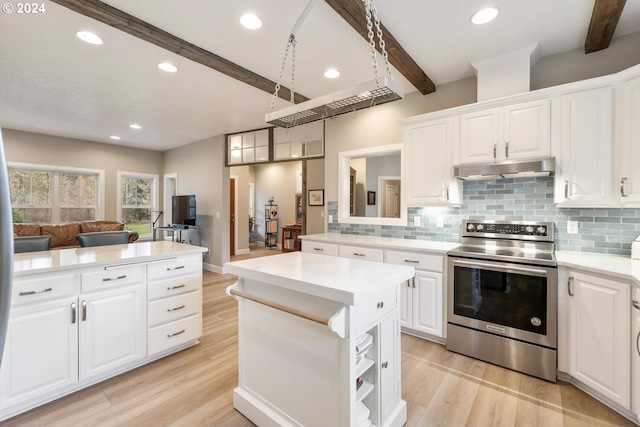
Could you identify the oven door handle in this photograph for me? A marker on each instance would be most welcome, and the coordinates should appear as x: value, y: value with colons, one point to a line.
x: 497, y: 267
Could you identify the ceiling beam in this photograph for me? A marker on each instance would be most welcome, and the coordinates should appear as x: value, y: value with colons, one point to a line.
x: 353, y: 12
x: 116, y: 18
x: 605, y: 17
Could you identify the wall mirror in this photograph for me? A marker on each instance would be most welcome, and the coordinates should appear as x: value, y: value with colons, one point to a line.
x: 370, y: 186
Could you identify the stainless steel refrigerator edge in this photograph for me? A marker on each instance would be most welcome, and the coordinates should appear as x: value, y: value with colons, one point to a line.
x: 6, y: 247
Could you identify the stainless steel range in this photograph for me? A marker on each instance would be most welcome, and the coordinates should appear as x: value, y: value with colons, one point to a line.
x: 502, y: 296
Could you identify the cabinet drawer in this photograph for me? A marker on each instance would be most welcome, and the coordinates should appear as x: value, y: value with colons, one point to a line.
x: 320, y: 248
x: 175, y: 333
x: 417, y: 260
x: 175, y: 286
x: 373, y: 309
x: 357, y: 252
x: 43, y: 288
x: 175, y: 267
x: 112, y: 277
x: 170, y: 309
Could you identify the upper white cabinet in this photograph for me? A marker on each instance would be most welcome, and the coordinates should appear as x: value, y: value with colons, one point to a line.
x: 428, y: 164
x: 628, y: 176
x: 586, y: 164
x: 518, y: 131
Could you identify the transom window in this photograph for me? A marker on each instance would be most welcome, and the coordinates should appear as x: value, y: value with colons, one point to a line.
x: 137, y: 198
x: 51, y: 195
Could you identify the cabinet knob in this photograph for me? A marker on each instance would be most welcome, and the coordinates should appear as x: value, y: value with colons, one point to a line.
x: 385, y: 365
x: 506, y: 150
x: 635, y: 304
x: 380, y: 304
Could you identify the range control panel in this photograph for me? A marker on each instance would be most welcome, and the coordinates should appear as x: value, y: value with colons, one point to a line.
x: 508, y: 229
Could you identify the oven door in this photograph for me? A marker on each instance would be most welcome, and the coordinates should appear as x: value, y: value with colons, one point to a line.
x: 506, y: 299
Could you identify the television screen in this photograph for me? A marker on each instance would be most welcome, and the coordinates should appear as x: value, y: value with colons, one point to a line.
x: 184, y: 210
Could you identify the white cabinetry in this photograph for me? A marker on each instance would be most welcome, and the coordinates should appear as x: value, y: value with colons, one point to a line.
x: 320, y: 248
x: 427, y: 168
x: 598, y: 342
x: 628, y: 177
x: 635, y: 352
x: 41, y: 351
x: 518, y: 131
x: 585, y: 178
x: 358, y: 252
x: 422, y: 297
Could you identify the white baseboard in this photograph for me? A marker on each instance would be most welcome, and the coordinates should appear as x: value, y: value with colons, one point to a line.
x: 243, y: 251
x: 213, y: 268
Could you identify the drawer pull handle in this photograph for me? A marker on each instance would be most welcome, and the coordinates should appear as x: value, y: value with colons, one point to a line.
x: 635, y: 304
x: 84, y: 311
x: 318, y: 249
x: 108, y: 279
x: 171, y: 288
x: 175, y: 309
x: 412, y: 261
x: 175, y: 333
x: 73, y: 313
x: 569, y: 286
x: 180, y: 267
x: 357, y: 254
x: 385, y: 365
x: 39, y: 291
x: 622, y: 193
x: 380, y: 304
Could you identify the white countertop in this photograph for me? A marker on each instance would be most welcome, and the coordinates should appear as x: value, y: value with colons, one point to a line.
x: 383, y: 242
x: 620, y: 266
x: 67, y: 259
x: 344, y: 280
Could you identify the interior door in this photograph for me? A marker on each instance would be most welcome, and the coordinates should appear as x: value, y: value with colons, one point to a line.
x: 392, y: 201
x: 232, y: 216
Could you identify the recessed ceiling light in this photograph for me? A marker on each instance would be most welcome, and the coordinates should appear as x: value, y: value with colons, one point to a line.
x: 114, y: 137
x: 331, y: 73
x: 88, y: 37
x: 168, y: 67
x: 135, y: 126
x: 485, y: 15
x: 251, y: 21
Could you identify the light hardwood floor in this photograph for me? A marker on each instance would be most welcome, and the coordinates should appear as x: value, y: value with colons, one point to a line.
x: 194, y: 387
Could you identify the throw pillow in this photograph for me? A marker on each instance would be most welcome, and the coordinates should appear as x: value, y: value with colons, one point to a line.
x: 111, y: 227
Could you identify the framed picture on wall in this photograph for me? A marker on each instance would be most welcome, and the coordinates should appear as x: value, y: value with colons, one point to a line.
x: 371, y: 197
x: 316, y: 197
x: 298, y: 205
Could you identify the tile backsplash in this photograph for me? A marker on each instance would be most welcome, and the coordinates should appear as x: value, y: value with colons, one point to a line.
x: 600, y: 230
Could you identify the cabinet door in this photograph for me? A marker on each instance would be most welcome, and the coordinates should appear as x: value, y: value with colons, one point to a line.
x: 428, y: 165
x: 526, y: 130
x: 479, y: 134
x: 629, y: 154
x: 389, y: 367
x: 586, y: 148
x: 406, y: 303
x: 599, y: 341
x: 427, y: 303
x: 41, y: 352
x: 112, y: 329
x: 635, y: 352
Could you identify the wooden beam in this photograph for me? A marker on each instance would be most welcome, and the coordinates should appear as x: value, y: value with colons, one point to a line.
x: 604, y: 19
x: 353, y: 12
x: 116, y: 18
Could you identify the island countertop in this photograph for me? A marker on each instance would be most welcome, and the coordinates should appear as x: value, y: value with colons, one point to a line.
x: 68, y: 259
x: 343, y: 280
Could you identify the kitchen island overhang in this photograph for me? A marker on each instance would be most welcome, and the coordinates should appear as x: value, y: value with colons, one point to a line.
x: 300, y: 319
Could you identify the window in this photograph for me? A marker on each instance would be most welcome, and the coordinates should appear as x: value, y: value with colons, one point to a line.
x: 137, y: 197
x: 50, y: 195
x: 249, y: 147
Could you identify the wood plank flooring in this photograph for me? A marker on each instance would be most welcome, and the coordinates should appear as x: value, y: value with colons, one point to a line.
x: 194, y: 387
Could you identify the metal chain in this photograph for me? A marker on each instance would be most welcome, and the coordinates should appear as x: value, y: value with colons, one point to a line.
x: 293, y: 67
x: 284, y: 61
x: 372, y: 42
x: 380, y: 40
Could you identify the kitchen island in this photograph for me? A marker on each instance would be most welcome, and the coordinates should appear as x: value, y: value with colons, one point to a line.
x: 319, y: 341
x: 80, y: 316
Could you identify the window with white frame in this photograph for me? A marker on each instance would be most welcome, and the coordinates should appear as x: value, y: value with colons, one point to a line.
x: 137, y: 197
x: 50, y: 195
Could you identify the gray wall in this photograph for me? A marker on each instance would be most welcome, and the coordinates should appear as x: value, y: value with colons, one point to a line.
x: 26, y: 147
x: 315, y: 181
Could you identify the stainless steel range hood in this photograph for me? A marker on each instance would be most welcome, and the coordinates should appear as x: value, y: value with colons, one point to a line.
x: 511, y: 169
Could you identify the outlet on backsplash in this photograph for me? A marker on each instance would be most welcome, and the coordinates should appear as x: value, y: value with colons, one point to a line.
x: 416, y: 221
x: 440, y: 222
x: 572, y: 227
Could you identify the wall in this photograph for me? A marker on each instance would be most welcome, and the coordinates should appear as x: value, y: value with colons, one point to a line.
x: 315, y: 181
x: 200, y: 170
x: 26, y: 147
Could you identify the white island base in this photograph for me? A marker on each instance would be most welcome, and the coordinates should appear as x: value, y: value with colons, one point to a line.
x: 300, y: 317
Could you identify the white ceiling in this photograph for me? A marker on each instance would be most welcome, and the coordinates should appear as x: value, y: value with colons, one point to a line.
x: 52, y: 83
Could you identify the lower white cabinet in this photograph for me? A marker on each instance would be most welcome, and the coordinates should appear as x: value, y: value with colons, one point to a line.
x: 635, y: 351
x: 598, y: 334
